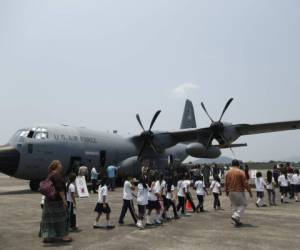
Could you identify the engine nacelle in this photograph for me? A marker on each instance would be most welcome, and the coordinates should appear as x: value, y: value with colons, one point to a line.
x: 198, y: 150
x: 195, y: 149
x: 130, y: 166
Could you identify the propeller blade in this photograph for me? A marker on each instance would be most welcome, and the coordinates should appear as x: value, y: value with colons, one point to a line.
x: 142, y: 149
x: 204, y: 108
x: 139, y: 121
x: 210, y: 139
x: 154, y: 148
x: 154, y: 119
x: 228, y: 144
x: 225, y: 108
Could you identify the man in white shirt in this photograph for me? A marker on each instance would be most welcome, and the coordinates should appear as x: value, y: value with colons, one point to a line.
x: 84, y: 171
x: 94, y: 178
x: 127, y: 201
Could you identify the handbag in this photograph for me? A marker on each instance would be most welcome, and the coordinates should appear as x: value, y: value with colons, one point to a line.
x: 47, y: 189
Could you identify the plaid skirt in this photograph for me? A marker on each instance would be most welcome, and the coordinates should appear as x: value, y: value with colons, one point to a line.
x: 54, y: 223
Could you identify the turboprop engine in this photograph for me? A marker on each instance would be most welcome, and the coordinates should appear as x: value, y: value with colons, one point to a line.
x: 198, y: 150
x: 130, y: 166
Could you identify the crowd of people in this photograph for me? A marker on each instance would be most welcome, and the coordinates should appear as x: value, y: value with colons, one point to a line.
x: 155, y: 194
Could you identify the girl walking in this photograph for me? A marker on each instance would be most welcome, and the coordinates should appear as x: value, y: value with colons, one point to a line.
x: 142, y: 201
x: 216, y: 190
x: 271, y: 188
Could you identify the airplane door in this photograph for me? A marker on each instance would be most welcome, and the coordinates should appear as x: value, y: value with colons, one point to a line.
x: 170, y: 160
x: 74, y: 164
x: 102, y: 158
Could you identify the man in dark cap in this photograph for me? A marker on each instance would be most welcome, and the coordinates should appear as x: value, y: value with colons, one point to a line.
x: 235, y: 186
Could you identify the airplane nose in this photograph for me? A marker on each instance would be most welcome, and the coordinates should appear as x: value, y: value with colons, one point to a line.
x: 9, y: 160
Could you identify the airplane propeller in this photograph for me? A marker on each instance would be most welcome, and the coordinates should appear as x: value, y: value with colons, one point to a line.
x: 217, y: 128
x: 148, y: 135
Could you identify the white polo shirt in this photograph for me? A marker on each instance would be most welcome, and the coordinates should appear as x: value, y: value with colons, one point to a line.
x: 199, y: 185
x: 72, y: 189
x: 102, y: 192
x: 296, y: 179
x: 181, y: 188
x: 127, y: 192
x: 260, y: 184
x: 142, y: 195
x: 152, y: 191
x: 283, y: 181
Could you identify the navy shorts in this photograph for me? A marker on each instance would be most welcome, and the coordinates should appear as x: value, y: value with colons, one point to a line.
x: 100, y: 208
x: 284, y: 190
x: 153, y: 205
x: 260, y: 194
x: 142, y: 209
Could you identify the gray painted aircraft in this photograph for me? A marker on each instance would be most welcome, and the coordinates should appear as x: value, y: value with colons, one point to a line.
x: 30, y: 150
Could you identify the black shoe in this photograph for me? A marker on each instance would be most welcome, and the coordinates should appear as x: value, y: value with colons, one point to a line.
x: 48, y: 241
x: 121, y: 223
x: 110, y: 227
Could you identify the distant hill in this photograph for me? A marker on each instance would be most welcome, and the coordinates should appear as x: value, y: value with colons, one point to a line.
x: 219, y: 160
x: 292, y: 159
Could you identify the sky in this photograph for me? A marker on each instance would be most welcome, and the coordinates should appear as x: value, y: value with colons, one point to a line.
x: 98, y: 63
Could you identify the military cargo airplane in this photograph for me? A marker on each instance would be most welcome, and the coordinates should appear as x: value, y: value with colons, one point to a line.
x: 30, y: 150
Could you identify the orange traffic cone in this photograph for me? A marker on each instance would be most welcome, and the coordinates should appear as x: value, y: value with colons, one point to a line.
x: 188, y: 207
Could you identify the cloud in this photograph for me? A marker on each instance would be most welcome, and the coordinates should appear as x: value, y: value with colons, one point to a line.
x: 184, y: 89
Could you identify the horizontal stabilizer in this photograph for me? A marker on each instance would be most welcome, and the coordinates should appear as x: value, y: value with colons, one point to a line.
x: 234, y: 145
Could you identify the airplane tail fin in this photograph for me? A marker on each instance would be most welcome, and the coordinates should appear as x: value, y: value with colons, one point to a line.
x: 188, y: 118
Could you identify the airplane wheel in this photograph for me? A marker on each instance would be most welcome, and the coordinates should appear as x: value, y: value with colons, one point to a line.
x: 34, y: 185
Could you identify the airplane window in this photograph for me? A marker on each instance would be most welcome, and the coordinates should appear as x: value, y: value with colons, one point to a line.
x: 30, y: 134
x: 41, y: 134
x: 24, y: 133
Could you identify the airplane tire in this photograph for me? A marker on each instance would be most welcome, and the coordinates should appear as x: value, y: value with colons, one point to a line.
x: 34, y: 185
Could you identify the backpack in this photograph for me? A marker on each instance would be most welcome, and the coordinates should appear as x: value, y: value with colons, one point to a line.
x: 47, y: 189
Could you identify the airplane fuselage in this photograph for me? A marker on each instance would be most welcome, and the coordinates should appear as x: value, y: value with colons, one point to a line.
x: 38, y: 146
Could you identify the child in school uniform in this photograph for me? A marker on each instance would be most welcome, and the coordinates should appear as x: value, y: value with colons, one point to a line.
x: 200, y: 191
x: 284, y: 186
x: 128, y: 188
x: 142, y: 201
x: 270, y: 185
x: 215, y: 188
x: 171, y: 197
x: 71, y: 201
x: 296, y: 180
x: 181, y: 188
x: 188, y: 196
x: 153, y: 203
x: 260, y: 188
x: 102, y: 205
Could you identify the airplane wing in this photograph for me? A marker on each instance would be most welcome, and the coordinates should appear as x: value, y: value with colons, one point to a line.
x: 171, y: 138
x: 247, y: 129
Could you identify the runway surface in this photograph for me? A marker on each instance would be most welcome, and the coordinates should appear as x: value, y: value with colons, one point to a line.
x: 265, y: 228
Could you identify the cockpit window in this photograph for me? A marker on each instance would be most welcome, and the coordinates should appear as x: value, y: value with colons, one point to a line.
x: 24, y: 133
x: 40, y: 133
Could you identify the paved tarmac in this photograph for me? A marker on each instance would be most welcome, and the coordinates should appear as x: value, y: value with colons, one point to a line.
x: 265, y: 228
